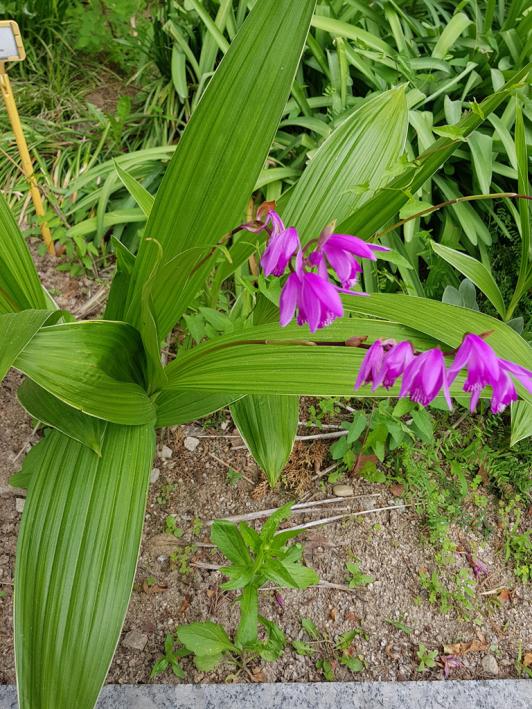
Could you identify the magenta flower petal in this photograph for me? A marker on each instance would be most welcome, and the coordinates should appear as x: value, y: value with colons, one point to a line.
x: 523, y: 375
x: 281, y: 247
x: 503, y: 393
x: 394, y: 364
x: 370, y: 369
x: 289, y: 298
x: 353, y: 245
x: 425, y: 377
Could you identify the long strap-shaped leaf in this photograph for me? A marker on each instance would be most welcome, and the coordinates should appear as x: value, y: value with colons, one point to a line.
x: 19, y: 284
x: 220, y: 155
x: 16, y: 331
x: 268, y: 425
x: 51, y: 411
x: 93, y: 366
x: 76, y: 560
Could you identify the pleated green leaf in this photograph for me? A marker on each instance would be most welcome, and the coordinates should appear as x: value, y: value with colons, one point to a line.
x: 175, y: 407
x: 521, y: 421
x: 268, y: 425
x: 93, y: 366
x: 285, y: 369
x: 220, y: 155
x: 476, y: 272
x: 16, y: 330
x: 20, y: 287
x: 139, y: 193
x: 350, y: 164
x: 76, y: 559
x: 387, y: 202
x: 51, y: 411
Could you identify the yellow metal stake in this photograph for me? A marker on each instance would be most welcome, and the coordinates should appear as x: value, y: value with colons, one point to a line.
x: 25, y: 158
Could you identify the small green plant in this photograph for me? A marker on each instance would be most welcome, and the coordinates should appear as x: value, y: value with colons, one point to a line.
x: 233, y: 477
x: 356, y: 576
x: 331, y: 652
x: 522, y: 663
x: 517, y: 541
x: 181, y: 557
x: 426, y: 657
x: 170, y: 527
x: 457, y: 594
x: 400, y: 624
x: 163, y: 496
x: 255, y: 558
x: 385, y: 429
x: 170, y: 659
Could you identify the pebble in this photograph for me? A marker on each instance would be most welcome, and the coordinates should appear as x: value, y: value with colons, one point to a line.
x: 135, y: 640
x: 6, y: 490
x: 19, y: 504
x: 191, y: 443
x: 166, y: 453
x: 155, y: 475
x: 489, y: 665
x: 342, y: 490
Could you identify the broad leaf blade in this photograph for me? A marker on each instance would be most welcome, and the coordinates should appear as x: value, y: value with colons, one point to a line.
x: 268, y: 425
x: 220, y: 155
x: 16, y: 331
x: 476, y: 272
x: 76, y: 560
x: 93, y: 366
x: 19, y: 284
x: 175, y: 408
x: 521, y: 421
x: 53, y: 412
x: 350, y: 164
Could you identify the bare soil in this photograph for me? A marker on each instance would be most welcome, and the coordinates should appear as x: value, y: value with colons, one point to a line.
x: 169, y: 590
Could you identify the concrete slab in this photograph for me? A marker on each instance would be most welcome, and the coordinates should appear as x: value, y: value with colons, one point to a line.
x: 482, y: 694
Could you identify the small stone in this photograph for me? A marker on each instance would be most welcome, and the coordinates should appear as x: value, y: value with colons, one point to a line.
x: 135, y: 640
x: 191, y: 443
x: 6, y: 491
x: 19, y: 504
x: 155, y: 475
x: 489, y: 665
x: 342, y: 490
x: 224, y: 425
x: 166, y: 453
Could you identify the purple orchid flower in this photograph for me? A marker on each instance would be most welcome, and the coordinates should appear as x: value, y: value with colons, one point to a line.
x: 478, y: 567
x: 425, y: 377
x: 316, y: 299
x: 282, y: 245
x: 395, y: 361
x: 371, y: 366
x: 482, y: 366
x: 503, y: 393
x: 340, y: 251
x: 384, y: 363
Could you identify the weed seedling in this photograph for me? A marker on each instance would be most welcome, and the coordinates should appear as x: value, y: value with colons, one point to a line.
x: 171, y: 527
x: 331, y: 652
x: 427, y: 658
x: 356, y: 576
x: 255, y: 558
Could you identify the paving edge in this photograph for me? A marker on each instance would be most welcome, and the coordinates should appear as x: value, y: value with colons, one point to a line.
x: 478, y: 694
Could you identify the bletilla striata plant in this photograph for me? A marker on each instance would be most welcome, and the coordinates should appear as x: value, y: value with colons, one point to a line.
x: 102, y: 387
